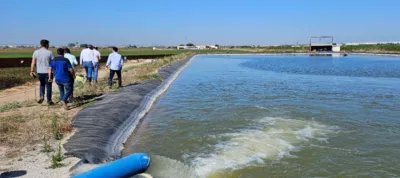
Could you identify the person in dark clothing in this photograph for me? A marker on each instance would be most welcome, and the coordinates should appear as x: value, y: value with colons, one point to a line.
x: 64, y: 75
x: 115, y: 62
x: 41, y: 59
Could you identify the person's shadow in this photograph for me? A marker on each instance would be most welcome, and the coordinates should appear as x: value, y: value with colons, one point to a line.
x: 10, y: 174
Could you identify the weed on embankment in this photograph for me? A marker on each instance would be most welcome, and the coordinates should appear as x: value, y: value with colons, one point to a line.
x: 46, y: 146
x: 26, y: 123
x: 57, y: 158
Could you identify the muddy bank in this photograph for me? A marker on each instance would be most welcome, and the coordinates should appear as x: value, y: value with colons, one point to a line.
x: 103, y: 127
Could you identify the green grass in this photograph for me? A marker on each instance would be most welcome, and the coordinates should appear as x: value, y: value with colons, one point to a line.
x: 15, y: 54
x: 27, y: 53
x: 46, y: 146
x: 373, y: 48
x: 16, y: 105
x: 56, y: 131
x: 10, y: 106
x: 14, y: 76
x: 145, y: 52
x: 57, y: 158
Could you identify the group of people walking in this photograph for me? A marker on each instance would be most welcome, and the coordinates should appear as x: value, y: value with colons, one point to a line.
x: 89, y: 59
x: 62, y: 68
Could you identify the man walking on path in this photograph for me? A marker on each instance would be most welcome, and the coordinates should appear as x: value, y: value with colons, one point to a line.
x: 74, y: 62
x: 96, y: 64
x: 115, y: 62
x: 86, y: 60
x: 64, y: 74
x: 41, y: 59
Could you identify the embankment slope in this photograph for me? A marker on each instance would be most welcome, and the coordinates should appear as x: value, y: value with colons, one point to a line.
x: 103, y: 127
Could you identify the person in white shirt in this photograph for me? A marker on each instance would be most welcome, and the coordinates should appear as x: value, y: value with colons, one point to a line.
x: 96, y: 64
x: 70, y: 57
x: 115, y: 62
x: 74, y: 62
x: 86, y: 61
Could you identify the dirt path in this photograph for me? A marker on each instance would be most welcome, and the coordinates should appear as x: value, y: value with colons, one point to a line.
x: 30, y: 91
x: 28, y: 131
x: 35, y: 121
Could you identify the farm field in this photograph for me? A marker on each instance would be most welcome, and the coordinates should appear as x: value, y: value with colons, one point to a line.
x: 384, y: 48
x: 27, y: 52
x: 14, y: 76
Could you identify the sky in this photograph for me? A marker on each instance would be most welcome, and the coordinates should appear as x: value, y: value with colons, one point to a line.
x: 224, y: 22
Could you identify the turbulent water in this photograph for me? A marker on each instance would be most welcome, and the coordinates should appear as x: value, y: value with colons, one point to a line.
x: 276, y: 116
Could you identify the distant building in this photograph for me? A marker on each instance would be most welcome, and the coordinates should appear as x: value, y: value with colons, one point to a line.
x: 187, y: 47
x: 352, y: 44
x: 325, y: 46
x: 207, y: 46
x: 198, y: 47
x: 336, y: 48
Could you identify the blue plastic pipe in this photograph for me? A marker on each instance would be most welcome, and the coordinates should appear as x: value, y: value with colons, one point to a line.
x: 125, y: 167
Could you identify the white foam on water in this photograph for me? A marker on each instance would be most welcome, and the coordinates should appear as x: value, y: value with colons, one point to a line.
x: 168, y: 168
x: 275, y: 139
x: 260, y: 107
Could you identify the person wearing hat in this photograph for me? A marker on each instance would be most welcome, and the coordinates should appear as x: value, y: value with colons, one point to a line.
x: 86, y: 61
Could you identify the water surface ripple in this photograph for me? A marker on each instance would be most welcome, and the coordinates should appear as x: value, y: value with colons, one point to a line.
x: 278, y: 116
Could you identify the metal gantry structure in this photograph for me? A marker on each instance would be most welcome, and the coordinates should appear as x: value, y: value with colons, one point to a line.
x: 320, y: 38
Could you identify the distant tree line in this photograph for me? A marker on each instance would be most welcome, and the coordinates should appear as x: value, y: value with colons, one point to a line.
x: 377, y: 47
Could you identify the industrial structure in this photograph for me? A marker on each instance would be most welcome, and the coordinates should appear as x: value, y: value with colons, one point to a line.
x: 211, y: 46
x: 325, y: 48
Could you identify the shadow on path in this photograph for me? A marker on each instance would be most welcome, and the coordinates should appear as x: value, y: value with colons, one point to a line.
x: 10, y: 174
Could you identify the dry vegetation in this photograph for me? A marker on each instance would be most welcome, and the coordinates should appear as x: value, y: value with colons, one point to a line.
x: 32, y: 124
x: 27, y: 124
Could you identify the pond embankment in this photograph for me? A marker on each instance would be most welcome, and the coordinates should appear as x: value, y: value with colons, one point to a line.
x: 103, y: 127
